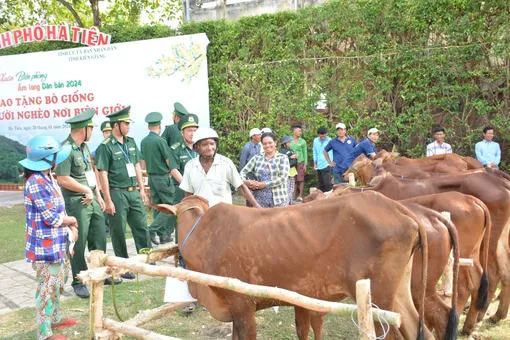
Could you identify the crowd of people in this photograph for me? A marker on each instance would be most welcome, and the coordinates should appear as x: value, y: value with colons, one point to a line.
x: 75, y: 198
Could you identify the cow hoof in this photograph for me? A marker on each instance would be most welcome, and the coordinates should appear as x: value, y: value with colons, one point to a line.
x: 493, y: 319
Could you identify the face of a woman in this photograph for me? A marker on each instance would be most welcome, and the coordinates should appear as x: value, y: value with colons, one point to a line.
x: 269, y: 145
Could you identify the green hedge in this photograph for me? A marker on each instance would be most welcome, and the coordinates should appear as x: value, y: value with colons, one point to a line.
x: 403, y: 66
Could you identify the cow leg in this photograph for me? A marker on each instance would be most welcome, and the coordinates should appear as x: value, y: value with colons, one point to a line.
x: 302, y: 319
x: 317, y: 322
x: 436, y: 315
x: 243, y: 313
x: 472, y: 282
x: 405, y: 307
x: 504, y: 262
x: 494, y: 280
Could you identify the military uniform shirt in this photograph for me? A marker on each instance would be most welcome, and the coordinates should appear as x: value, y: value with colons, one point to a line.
x: 180, y: 154
x: 155, y: 152
x: 75, y: 165
x: 111, y: 157
x: 172, y: 135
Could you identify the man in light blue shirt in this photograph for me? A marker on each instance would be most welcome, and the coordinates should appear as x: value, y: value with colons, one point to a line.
x: 250, y: 149
x: 488, y: 152
x: 319, y: 161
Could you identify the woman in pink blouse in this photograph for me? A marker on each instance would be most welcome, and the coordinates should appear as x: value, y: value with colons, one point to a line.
x: 46, y: 232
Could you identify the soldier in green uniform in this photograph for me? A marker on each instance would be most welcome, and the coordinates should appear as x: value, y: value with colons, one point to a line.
x: 180, y: 154
x: 78, y: 180
x: 106, y: 129
x: 172, y: 133
x: 117, y: 160
x: 155, y: 152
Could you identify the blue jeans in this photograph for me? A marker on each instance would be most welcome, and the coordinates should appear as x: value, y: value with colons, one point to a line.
x: 339, y: 177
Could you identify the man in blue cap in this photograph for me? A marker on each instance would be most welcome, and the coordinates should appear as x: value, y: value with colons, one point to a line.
x: 81, y: 194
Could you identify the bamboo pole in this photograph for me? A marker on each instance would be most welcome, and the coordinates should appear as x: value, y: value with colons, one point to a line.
x: 148, y: 315
x: 237, y: 286
x: 364, y: 302
x: 466, y: 262
x: 134, y: 331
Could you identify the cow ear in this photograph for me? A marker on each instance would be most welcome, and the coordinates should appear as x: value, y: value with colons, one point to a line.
x: 378, y: 162
x: 165, y: 208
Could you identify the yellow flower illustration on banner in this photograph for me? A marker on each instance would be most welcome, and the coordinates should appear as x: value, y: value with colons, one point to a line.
x: 185, y: 59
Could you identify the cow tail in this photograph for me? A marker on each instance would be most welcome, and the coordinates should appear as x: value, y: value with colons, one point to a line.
x: 483, y: 291
x: 453, y: 318
x: 424, y: 262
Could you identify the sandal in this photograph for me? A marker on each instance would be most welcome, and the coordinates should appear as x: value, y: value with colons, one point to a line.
x: 64, y: 322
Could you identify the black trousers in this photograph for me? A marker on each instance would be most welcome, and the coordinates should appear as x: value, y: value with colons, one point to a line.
x: 324, y: 177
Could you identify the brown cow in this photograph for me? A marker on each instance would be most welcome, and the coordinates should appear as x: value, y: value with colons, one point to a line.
x: 440, y: 233
x: 446, y: 163
x: 314, y: 249
x: 493, y: 189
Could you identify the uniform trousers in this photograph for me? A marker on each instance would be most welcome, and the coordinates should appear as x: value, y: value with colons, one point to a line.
x: 163, y: 192
x: 91, y: 230
x: 129, y: 209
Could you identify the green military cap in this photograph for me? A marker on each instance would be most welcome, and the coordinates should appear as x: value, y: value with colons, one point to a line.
x: 154, y: 118
x: 180, y: 110
x: 82, y: 120
x: 187, y: 121
x: 105, y: 126
x: 121, y: 115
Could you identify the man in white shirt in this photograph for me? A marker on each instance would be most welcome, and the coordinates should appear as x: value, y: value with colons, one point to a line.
x: 438, y: 147
x: 210, y: 175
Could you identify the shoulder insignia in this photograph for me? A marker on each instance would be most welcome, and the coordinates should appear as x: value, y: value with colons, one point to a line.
x: 175, y: 145
x: 66, y: 142
x: 129, y: 137
x: 106, y: 141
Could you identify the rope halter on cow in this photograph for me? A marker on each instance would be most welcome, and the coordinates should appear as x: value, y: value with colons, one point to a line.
x: 192, y: 229
x: 356, y: 171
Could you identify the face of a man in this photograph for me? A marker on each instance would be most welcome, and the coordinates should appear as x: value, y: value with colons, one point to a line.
x: 374, y: 137
x: 124, y: 128
x: 106, y: 133
x: 176, y: 118
x: 89, y: 133
x: 207, y: 147
x: 256, y: 138
x: 489, y: 135
x: 322, y: 136
x: 341, y: 132
x: 439, y: 137
x: 297, y: 132
x: 187, y: 134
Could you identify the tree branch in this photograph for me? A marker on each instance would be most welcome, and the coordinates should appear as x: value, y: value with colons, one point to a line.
x: 73, y: 12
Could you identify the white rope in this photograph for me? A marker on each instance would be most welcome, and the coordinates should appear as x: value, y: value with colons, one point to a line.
x: 382, y: 322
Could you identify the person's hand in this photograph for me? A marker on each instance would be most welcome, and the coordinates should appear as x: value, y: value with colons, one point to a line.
x: 70, y: 221
x: 260, y: 185
x: 89, y: 197
x: 314, y: 166
x: 101, y: 202
x: 143, y: 196
x: 332, y: 164
x: 250, y: 184
x: 109, y: 207
x: 304, y: 167
x: 74, y: 234
x: 294, y: 156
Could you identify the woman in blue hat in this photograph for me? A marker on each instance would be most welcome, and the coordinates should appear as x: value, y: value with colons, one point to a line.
x: 46, y: 232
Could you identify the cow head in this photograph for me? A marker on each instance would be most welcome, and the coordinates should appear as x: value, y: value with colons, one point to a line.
x: 362, y: 169
x: 187, y: 203
x: 387, y: 156
x: 315, y: 195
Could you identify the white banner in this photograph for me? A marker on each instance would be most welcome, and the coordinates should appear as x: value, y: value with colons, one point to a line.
x: 39, y: 91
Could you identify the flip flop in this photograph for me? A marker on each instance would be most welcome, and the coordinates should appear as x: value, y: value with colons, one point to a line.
x: 65, y: 322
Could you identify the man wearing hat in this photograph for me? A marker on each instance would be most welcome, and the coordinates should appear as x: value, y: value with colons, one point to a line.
x: 78, y: 180
x: 366, y: 147
x: 180, y: 155
x: 106, y: 129
x: 251, y: 148
x: 117, y: 160
x: 320, y: 164
x: 342, y: 147
x: 172, y: 133
x: 156, y: 153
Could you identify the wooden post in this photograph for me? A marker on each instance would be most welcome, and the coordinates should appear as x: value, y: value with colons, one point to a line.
x: 134, y: 331
x: 447, y: 277
x: 96, y: 296
x: 352, y: 180
x: 364, y: 302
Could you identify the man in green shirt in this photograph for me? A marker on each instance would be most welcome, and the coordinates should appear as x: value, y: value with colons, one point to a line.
x: 155, y: 152
x: 298, y: 145
x: 172, y: 133
x: 180, y: 154
x: 78, y: 180
x: 117, y: 160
